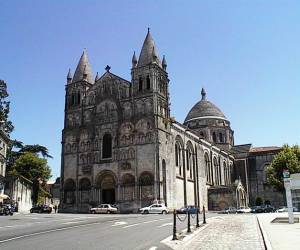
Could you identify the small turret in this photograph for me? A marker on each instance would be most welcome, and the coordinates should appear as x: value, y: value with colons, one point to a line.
x: 134, y: 60
x: 69, y: 77
x: 97, y: 77
x: 164, y: 63
x: 203, y: 94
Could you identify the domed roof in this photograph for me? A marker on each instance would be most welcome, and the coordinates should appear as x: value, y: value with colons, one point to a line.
x: 205, y: 109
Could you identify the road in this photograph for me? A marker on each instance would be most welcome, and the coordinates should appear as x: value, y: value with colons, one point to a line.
x: 87, y: 231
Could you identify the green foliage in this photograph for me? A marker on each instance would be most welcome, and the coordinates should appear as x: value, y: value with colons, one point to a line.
x: 34, y: 168
x: 258, y: 201
x: 6, y: 125
x: 288, y: 158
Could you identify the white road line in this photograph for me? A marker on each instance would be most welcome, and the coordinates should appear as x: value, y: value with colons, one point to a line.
x: 152, y: 248
x: 119, y: 223
x: 72, y: 222
x: 145, y: 222
x: 48, y: 231
x: 165, y: 224
x: 132, y: 225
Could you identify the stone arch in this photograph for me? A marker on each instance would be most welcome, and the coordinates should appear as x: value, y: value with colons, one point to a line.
x: 146, y: 185
x: 69, y: 191
x: 106, y: 187
x: 264, y: 171
x: 84, y: 190
x: 128, y: 187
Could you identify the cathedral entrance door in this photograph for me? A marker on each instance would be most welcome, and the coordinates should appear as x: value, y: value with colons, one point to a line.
x: 108, y: 196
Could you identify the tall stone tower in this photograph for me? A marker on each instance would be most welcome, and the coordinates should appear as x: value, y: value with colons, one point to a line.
x: 150, y: 85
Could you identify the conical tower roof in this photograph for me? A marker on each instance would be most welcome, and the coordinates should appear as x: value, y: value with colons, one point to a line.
x: 149, y: 52
x: 83, y: 67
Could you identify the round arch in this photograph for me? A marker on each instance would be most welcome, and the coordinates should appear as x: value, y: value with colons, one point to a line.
x: 105, y: 183
x: 146, y: 185
x: 69, y: 191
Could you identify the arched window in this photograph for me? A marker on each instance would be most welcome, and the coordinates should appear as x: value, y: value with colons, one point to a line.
x: 214, y: 137
x: 140, y: 84
x: 221, y: 137
x: 201, y: 134
x: 216, y: 170
x: 107, y: 146
x: 207, y: 169
x: 225, y: 173
x: 78, y: 98
x: 176, y: 155
x: 148, y: 82
x: 189, y: 162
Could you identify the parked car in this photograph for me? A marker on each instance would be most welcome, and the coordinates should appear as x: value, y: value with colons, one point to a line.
x: 285, y: 209
x: 257, y: 209
x: 104, y: 209
x: 269, y: 209
x: 184, y: 210
x: 6, y: 209
x: 242, y: 210
x: 41, y: 209
x: 155, y: 209
x: 229, y: 210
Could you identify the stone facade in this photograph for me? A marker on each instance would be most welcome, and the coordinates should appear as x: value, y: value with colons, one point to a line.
x: 120, y: 145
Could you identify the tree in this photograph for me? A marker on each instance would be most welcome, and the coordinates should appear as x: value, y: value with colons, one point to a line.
x: 288, y: 158
x: 6, y: 125
x: 35, y: 169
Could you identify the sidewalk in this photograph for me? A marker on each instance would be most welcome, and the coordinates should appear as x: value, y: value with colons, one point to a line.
x: 227, y: 232
x: 280, y: 236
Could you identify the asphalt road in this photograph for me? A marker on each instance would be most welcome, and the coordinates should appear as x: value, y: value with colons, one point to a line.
x: 87, y: 231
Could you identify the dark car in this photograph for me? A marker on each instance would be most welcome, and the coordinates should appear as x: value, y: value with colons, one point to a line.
x: 6, y: 209
x: 257, y: 209
x: 185, y: 210
x: 41, y: 209
x: 269, y: 209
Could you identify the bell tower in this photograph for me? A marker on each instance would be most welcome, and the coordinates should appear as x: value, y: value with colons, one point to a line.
x: 150, y: 80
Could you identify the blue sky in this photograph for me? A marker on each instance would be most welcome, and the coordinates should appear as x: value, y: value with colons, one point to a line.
x: 245, y: 53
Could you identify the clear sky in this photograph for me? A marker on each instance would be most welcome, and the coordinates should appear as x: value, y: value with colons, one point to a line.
x: 245, y: 53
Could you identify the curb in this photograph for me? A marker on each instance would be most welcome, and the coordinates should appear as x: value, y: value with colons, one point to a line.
x: 264, y: 235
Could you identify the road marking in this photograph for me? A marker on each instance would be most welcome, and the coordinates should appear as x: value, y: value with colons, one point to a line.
x: 145, y: 222
x: 166, y: 224
x: 132, y: 225
x: 119, y: 223
x: 152, y: 248
x: 48, y: 231
x: 72, y: 222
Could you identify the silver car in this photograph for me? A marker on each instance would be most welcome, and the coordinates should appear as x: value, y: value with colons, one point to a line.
x: 104, y: 209
x: 155, y: 209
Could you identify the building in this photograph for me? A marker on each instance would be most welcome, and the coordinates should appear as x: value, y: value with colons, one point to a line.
x: 120, y: 145
x: 4, y: 140
x: 19, y: 189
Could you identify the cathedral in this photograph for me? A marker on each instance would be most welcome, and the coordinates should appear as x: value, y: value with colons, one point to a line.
x: 121, y: 146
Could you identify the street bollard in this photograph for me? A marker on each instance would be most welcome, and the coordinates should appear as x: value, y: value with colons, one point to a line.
x: 197, y: 224
x: 174, y: 225
x: 204, y: 219
x: 189, y: 222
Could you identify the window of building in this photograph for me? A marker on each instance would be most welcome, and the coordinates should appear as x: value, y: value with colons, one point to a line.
x: 214, y: 137
x: 140, y: 84
x: 78, y: 98
x: 221, y: 137
x: 107, y: 146
x: 148, y: 82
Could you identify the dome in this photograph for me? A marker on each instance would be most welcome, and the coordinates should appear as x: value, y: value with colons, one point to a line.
x: 204, y: 109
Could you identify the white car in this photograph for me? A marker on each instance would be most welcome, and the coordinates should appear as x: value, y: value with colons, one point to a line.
x: 104, y: 209
x: 285, y: 209
x: 241, y: 210
x: 155, y: 209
